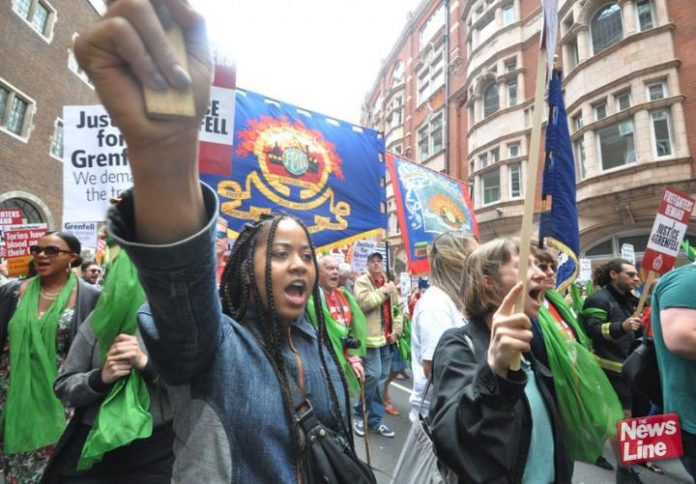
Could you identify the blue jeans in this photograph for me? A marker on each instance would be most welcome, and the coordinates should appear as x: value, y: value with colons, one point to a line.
x: 377, y: 363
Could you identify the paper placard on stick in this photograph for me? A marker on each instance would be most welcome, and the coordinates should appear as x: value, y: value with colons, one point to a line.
x: 585, y: 270
x: 86, y: 233
x: 172, y: 103
x: 668, y: 231
x: 628, y: 253
x: 653, y: 438
x: 95, y: 163
x: 18, y: 238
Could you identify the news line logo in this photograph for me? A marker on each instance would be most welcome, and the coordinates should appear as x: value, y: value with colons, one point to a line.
x: 653, y: 438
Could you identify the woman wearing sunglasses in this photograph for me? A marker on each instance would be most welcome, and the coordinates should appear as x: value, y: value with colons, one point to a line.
x: 39, y: 317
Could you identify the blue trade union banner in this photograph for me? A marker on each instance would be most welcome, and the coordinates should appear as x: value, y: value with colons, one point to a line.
x: 328, y: 173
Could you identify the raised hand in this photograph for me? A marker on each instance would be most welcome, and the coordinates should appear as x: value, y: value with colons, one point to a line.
x: 510, y: 333
x: 127, y: 48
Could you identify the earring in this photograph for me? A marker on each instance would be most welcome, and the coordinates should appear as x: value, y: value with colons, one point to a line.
x: 67, y: 269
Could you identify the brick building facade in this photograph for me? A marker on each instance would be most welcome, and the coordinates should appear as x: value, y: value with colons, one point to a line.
x: 38, y: 76
x: 630, y: 93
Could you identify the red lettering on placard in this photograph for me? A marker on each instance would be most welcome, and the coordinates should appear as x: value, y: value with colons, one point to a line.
x: 650, y: 438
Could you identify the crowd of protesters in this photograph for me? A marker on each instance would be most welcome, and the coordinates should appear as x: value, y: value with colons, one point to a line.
x: 234, y: 350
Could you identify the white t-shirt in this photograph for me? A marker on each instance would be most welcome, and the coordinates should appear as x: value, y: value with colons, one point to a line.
x: 435, y: 313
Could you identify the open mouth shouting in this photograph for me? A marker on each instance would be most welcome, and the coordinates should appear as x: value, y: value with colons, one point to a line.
x: 535, y: 294
x: 296, y: 293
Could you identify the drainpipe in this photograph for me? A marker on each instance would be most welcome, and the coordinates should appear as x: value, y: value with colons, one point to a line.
x: 447, y: 93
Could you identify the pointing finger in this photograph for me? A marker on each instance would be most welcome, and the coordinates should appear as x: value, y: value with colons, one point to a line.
x: 507, y: 307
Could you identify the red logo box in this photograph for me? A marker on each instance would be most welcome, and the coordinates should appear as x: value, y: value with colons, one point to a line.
x: 653, y: 438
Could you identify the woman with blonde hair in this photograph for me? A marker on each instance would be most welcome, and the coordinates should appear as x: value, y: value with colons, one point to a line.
x: 439, y: 309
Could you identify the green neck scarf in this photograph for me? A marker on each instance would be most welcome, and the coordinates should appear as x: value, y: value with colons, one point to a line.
x: 568, y: 316
x: 33, y: 416
x: 337, y: 332
x: 124, y: 415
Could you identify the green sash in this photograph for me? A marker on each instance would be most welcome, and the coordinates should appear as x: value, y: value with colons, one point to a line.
x: 568, y: 316
x: 337, y: 332
x: 124, y: 415
x: 33, y: 417
x: 404, y: 341
x: 587, y: 403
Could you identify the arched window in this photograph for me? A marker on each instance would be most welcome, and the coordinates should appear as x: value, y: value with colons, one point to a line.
x: 31, y: 213
x: 491, y: 100
x: 606, y: 27
x: 397, y: 74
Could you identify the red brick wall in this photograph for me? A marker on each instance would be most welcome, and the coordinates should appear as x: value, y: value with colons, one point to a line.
x: 40, y: 70
x: 683, y: 15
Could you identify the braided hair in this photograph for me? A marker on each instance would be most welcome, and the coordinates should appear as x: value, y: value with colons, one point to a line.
x: 238, y: 287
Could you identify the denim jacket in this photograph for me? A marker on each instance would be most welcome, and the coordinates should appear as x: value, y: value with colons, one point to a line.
x: 230, y: 421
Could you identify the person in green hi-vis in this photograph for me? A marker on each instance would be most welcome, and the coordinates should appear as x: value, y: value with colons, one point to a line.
x: 345, y: 322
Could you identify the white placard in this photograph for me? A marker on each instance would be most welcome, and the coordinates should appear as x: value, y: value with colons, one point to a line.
x: 361, y: 249
x: 217, y: 126
x: 628, y: 253
x: 585, y: 270
x: 95, y: 163
x: 86, y: 233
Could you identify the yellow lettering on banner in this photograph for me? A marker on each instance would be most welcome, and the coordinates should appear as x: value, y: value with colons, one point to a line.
x: 18, y: 266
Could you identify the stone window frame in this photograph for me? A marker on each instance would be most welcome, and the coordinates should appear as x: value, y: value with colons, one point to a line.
x: 28, y: 16
x: 13, y: 93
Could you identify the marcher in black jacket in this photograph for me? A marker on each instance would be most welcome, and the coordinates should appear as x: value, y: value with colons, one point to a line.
x: 482, y: 411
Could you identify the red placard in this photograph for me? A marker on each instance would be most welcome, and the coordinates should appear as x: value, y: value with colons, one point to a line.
x: 653, y: 438
x: 668, y: 231
x: 11, y: 216
x: 18, y: 238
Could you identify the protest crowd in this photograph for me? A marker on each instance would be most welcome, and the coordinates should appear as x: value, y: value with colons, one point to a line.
x: 174, y: 358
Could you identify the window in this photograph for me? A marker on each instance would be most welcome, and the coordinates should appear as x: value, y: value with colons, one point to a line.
x: 513, y: 150
x: 472, y: 166
x: 578, y: 122
x: 395, y: 112
x: 423, y: 144
x: 515, y: 171
x: 75, y: 67
x: 606, y: 27
x: 509, y: 15
x: 600, y: 111
x: 430, y: 136
x: 432, y: 26
x: 574, y: 53
x: 581, y: 159
x: 57, y: 140
x: 486, y: 30
x: 623, y: 100
x: 37, y: 13
x: 495, y: 155
x: 657, y: 90
x: 15, y: 111
x: 512, y: 93
x: 431, y: 76
x: 662, y: 132
x: 491, y: 101
x: 602, y: 249
x: 436, y: 133
x: 483, y: 160
x: 490, y: 183
x: 645, y: 14
x: 510, y: 65
x: 616, y: 144
x: 397, y: 74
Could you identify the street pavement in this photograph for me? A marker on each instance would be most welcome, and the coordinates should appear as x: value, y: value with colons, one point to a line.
x: 384, y: 452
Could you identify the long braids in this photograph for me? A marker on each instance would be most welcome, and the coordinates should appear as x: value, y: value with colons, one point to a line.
x: 238, y: 287
x: 324, y: 343
x: 239, y: 274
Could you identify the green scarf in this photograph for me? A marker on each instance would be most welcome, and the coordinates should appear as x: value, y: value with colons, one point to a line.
x: 574, y: 290
x: 33, y: 417
x: 587, y: 403
x: 568, y: 316
x: 690, y: 250
x: 404, y: 341
x: 124, y: 415
x: 337, y: 332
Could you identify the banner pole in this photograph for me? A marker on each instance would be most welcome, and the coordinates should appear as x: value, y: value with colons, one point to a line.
x: 644, y: 295
x: 364, y: 416
x: 530, y: 192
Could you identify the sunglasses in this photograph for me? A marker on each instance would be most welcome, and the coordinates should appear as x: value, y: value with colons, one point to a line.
x: 49, y: 250
x: 544, y: 266
x: 221, y: 234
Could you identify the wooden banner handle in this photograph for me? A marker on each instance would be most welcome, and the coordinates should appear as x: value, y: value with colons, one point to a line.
x: 530, y: 193
x: 172, y: 103
x: 644, y: 295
